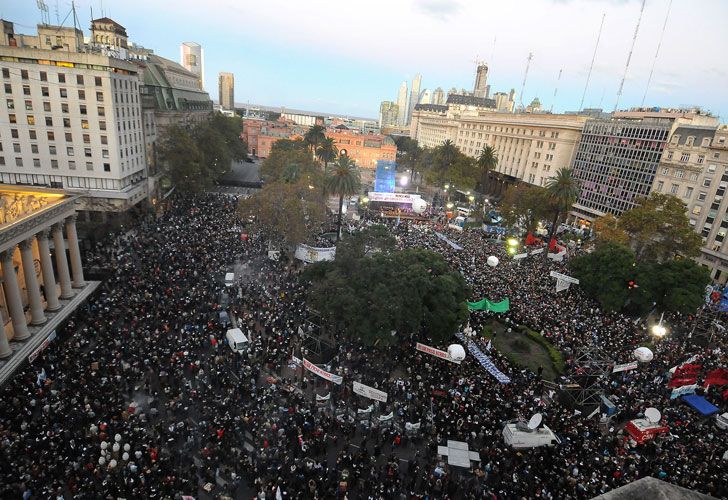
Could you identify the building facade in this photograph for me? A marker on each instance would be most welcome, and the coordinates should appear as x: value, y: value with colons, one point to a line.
x: 481, y: 89
x: 192, y: 58
x: 73, y: 120
x: 616, y: 163
x: 402, y: 104
x: 438, y: 97
x: 694, y: 168
x: 388, y: 114
x: 365, y: 149
x: 414, y: 97
x: 226, y: 89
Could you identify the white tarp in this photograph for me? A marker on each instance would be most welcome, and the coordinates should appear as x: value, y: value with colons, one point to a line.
x: 336, y: 379
x: 310, y: 254
x: 683, y: 389
x: 370, y: 392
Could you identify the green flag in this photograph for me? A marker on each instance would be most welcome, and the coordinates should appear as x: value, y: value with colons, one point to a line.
x: 487, y: 305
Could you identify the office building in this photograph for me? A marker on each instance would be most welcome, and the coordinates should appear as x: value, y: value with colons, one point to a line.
x: 226, y: 87
x: 72, y: 119
x: 438, y: 97
x: 414, y: 97
x: 192, y: 58
x: 388, y: 114
x: 402, y: 104
x: 481, y: 88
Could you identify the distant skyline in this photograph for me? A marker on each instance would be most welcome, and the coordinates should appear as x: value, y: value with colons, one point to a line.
x: 341, y: 58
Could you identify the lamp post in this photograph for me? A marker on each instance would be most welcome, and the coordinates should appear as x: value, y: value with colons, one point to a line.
x: 658, y: 330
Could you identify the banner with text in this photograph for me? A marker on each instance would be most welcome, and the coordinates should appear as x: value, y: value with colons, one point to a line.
x: 435, y: 352
x: 310, y: 254
x: 370, y: 392
x: 336, y: 379
x: 624, y: 367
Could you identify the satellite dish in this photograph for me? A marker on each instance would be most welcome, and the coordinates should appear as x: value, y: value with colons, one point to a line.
x: 492, y: 261
x: 535, y: 421
x: 653, y: 415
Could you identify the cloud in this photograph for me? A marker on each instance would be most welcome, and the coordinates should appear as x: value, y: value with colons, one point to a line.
x: 439, y: 9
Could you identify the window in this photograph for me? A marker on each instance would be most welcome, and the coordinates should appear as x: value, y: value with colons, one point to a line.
x: 18, y: 162
x: 87, y: 152
x: 72, y: 165
x: 99, y: 96
x: 105, y: 153
x: 690, y: 140
x: 89, y: 165
x: 693, y: 176
x: 44, y: 92
x: 82, y: 109
x: 14, y: 133
x: 12, y: 118
x: 688, y: 192
x: 54, y: 164
x: 107, y: 167
x: 16, y: 147
x: 706, y: 182
x: 102, y: 125
x: 674, y: 188
x: 79, y: 79
x: 26, y: 89
x: 43, y: 76
x: 24, y: 74
x: 51, y: 135
x: 6, y: 73
x: 711, y: 168
x: 29, y: 105
x: 97, y: 81
x: 104, y: 140
x: 701, y: 197
x: 69, y: 137
x: 47, y: 107
x: 31, y: 120
x: 32, y: 134
x: 34, y: 149
x: 67, y: 122
x: 679, y: 174
x: 82, y: 94
x: 701, y: 159
x: 52, y: 149
x: 8, y: 88
x: 101, y: 111
x: 61, y: 78
x: 69, y: 151
x: 685, y: 157
x: 36, y: 162
x: 2, y: 160
x: 84, y: 124
x: 63, y: 93
x: 660, y: 185
x: 86, y: 139
x: 11, y: 103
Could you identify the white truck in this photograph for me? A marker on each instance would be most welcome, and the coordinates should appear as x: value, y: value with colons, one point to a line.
x: 237, y: 340
x: 518, y: 435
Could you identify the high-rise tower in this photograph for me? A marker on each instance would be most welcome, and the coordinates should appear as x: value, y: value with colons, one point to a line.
x: 402, y: 105
x: 227, y: 91
x: 481, y: 77
x: 192, y: 58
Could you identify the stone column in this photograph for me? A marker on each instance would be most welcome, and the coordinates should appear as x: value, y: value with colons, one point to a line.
x: 46, y: 266
x: 12, y: 296
x: 76, y: 266
x: 61, y: 262
x: 31, y: 283
x: 5, y: 350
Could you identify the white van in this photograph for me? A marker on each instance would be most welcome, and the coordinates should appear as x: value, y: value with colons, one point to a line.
x: 229, y: 279
x: 237, y: 340
x: 522, y: 437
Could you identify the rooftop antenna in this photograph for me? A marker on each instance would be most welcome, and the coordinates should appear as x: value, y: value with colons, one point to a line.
x: 58, y: 16
x: 556, y: 90
x: 591, y: 66
x: 657, y: 53
x: 44, y: 16
x: 525, y: 75
x: 629, y: 56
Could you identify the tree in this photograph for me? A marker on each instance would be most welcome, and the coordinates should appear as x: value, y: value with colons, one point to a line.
x: 343, y: 181
x: 445, y: 164
x: 677, y: 285
x: 523, y: 205
x: 387, y: 297
x: 289, y: 161
x: 183, y: 161
x: 314, y: 136
x: 659, y: 229
x: 288, y: 213
x: 327, y: 152
x: 230, y: 128
x: 562, y: 191
x: 487, y: 162
x: 605, y: 274
x: 607, y: 230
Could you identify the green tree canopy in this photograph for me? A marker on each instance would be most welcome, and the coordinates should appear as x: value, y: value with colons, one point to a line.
x: 487, y: 162
x: 344, y: 181
x: 408, y: 292
x: 290, y: 161
x: 605, y: 273
x: 524, y: 205
x: 184, y: 162
x: 314, y: 136
x: 677, y: 285
x: 562, y: 191
x: 607, y: 230
x: 659, y: 229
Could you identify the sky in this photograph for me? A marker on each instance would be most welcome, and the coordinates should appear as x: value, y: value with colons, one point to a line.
x: 346, y: 56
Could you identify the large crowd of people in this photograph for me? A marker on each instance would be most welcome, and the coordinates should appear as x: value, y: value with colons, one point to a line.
x: 140, y: 397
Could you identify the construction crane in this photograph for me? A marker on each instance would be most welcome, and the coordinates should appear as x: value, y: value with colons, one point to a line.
x: 525, y: 75
x: 629, y: 56
x: 657, y: 53
x: 591, y: 66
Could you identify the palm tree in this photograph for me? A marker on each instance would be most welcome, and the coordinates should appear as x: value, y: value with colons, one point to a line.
x: 562, y: 191
x: 447, y: 153
x: 326, y: 152
x: 487, y: 161
x: 314, y: 136
x: 343, y: 181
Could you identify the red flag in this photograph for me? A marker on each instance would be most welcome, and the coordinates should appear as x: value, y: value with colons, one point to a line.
x: 718, y: 376
x: 681, y: 380
x: 552, y: 245
x: 688, y: 369
x: 531, y: 239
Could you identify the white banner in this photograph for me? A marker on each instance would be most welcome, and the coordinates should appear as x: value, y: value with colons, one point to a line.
x: 368, y: 410
x: 625, y: 367
x: 370, y: 392
x: 683, y: 389
x: 393, y: 197
x: 564, y: 277
x: 537, y: 251
x: 520, y: 256
x: 323, y: 398
x: 435, y: 352
x: 384, y: 418
x: 562, y: 285
x: 312, y: 254
x: 412, y: 427
x: 336, y: 379
x: 556, y: 257
x: 455, y: 227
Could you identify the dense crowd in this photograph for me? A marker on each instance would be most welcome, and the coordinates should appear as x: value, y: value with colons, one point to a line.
x: 140, y: 397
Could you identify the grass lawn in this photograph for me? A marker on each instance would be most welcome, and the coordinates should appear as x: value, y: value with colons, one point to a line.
x: 522, y: 349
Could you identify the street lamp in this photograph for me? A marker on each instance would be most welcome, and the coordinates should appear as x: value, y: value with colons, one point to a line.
x: 658, y: 330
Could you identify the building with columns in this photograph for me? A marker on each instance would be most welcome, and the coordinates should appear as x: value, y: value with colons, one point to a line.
x: 40, y: 269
